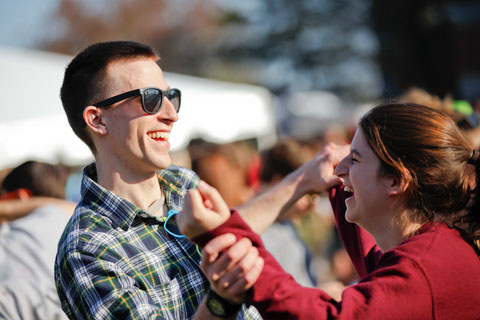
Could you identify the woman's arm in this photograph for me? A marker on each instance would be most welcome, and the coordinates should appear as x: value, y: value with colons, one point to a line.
x: 359, y: 244
x: 397, y: 283
x: 276, y: 295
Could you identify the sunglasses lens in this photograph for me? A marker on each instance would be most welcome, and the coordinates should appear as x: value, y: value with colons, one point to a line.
x: 174, y: 96
x: 152, y: 100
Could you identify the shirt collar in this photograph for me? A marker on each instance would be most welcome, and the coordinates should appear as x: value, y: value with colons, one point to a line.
x: 122, y: 212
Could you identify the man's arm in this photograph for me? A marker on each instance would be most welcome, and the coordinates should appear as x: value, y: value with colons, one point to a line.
x: 203, y: 313
x: 17, y: 208
x: 315, y: 176
x: 204, y: 209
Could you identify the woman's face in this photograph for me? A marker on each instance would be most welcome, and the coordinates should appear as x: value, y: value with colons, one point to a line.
x: 369, y: 203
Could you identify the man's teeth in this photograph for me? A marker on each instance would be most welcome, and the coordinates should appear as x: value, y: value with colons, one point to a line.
x: 159, y: 135
x: 348, y: 189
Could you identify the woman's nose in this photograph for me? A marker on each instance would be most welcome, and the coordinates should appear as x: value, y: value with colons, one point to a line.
x: 341, y: 169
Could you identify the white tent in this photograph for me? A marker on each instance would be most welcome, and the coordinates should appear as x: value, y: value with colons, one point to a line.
x: 33, y: 124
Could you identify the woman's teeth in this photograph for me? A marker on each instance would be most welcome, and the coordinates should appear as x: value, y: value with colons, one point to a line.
x: 348, y: 189
x: 159, y: 135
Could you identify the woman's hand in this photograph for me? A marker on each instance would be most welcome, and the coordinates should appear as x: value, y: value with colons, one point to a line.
x: 204, y: 209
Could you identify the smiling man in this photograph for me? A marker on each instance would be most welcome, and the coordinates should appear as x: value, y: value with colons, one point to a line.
x: 120, y: 255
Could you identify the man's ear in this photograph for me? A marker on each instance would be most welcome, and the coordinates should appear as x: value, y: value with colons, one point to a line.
x: 24, y: 193
x: 94, y: 120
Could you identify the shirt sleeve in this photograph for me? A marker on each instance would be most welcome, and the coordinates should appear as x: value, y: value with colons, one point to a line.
x: 384, y: 293
x: 359, y: 244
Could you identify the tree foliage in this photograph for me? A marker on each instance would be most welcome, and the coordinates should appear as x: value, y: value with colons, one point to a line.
x: 179, y: 35
x: 281, y: 44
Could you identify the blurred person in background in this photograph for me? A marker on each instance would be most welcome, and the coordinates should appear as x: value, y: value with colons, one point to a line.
x: 121, y: 255
x: 230, y: 167
x: 466, y: 115
x: 33, y: 213
x: 38, y: 182
x: 282, y: 238
x: 408, y: 213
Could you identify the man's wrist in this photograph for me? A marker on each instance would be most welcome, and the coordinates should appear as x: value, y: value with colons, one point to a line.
x: 221, y: 307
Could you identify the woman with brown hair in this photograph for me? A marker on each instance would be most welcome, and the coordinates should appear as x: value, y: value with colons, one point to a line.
x: 409, y: 191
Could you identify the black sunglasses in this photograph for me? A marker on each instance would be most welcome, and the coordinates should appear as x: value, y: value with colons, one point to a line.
x: 152, y: 99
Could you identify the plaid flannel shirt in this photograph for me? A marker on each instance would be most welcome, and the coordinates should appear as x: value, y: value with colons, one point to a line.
x: 114, y: 262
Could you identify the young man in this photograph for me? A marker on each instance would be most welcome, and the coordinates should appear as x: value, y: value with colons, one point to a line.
x: 119, y: 257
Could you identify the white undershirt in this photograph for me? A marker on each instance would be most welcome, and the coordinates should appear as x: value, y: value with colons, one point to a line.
x: 158, y: 209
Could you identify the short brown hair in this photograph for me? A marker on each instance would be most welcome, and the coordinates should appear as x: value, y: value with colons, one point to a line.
x: 42, y: 179
x: 84, y: 81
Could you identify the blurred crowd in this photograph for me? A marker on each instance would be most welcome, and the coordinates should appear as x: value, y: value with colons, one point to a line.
x: 34, y: 210
x: 33, y: 214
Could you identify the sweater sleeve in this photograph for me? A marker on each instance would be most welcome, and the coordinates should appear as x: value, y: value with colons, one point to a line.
x: 359, y: 244
x: 384, y: 293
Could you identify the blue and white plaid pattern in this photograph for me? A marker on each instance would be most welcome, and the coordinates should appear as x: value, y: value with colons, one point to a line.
x: 114, y: 262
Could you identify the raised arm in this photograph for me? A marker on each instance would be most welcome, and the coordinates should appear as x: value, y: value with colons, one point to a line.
x: 315, y: 176
x: 359, y: 244
x: 204, y: 209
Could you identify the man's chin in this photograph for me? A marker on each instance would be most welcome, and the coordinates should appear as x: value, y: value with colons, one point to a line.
x: 163, y: 164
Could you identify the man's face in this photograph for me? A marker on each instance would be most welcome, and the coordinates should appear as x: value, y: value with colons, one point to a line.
x: 135, y: 140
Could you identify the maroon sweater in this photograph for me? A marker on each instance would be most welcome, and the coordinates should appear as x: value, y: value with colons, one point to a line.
x: 432, y: 275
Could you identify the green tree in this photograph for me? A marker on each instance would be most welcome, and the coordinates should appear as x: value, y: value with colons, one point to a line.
x: 281, y: 44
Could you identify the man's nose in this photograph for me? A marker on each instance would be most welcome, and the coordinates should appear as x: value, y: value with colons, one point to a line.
x: 168, y: 110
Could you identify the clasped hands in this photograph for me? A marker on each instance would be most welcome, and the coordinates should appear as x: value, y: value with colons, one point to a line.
x: 231, y: 266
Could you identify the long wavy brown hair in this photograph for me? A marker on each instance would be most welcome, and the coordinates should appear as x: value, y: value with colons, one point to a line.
x: 424, y: 147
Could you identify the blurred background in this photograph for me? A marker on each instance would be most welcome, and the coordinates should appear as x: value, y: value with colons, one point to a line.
x: 251, y: 71
x: 319, y: 61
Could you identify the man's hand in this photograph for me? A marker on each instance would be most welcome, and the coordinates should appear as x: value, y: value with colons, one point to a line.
x: 231, y: 266
x: 318, y: 174
x: 315, y: 176
x: 204, y: 209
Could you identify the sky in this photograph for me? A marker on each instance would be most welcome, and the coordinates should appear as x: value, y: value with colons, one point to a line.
x: 21, y: 21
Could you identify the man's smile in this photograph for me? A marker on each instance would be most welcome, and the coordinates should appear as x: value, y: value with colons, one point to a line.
x: 159, y: 135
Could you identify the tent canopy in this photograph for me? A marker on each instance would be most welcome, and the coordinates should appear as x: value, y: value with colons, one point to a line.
x: 33, y: 124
